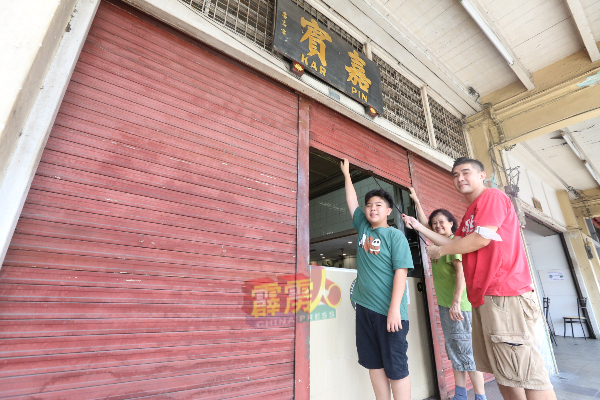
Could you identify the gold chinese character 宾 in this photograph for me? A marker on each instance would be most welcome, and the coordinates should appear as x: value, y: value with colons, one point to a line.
x: 316, y: 37
x: 356, y: 73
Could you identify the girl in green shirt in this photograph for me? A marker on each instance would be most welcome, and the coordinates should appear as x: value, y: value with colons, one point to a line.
x: 454, y: 307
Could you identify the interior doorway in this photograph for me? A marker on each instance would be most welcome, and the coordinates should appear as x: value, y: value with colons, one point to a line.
x: 333, y: 240
x: 553, y: 276
x: 334, y: 244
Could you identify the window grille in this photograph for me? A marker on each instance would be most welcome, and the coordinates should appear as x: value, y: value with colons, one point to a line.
x: 449, y: 135
x: 323, y: 20
x: 253, y: 19
x: 402, y: 102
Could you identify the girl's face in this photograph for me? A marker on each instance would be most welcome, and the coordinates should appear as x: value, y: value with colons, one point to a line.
x: 441, y: 225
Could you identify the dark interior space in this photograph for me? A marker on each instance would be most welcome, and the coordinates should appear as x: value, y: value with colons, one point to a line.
x: 333, y: 241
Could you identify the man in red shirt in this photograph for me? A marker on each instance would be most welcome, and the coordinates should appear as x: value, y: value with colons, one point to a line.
x: 498, y: 285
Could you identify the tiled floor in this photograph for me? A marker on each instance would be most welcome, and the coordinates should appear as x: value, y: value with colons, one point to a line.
x: 578, y: 363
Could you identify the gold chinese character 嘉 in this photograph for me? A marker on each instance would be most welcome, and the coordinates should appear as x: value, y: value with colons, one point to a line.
x: 316, y: 39
x: 356, y: 73
x: 265, y: 299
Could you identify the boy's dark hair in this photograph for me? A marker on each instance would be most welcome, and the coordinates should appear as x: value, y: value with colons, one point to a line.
x: 466, y: 160
x: 380, y: 193
x: 448, y: 216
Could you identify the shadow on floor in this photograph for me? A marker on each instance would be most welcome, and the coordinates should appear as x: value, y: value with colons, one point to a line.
x: 578, y: 362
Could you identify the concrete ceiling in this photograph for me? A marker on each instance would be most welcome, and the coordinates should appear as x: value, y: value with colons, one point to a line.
x: 440, y: 41
x: 332, y: 249
x: 560, y: 159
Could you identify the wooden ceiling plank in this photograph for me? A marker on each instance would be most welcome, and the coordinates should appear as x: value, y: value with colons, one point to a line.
x: 584, y: 28
x: 518, y: 68
x: 585, y: 158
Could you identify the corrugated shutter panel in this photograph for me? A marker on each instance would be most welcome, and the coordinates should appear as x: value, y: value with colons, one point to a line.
x: 341, y: 137
x: 435, y: 189
x: 169, y: 179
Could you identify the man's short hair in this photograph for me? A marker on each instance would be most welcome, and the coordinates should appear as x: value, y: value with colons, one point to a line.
x: 380, y: 193
x: 466, y: 160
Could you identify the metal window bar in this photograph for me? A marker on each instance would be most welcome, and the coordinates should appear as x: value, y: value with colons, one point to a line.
x: 323, y: 20
x: 448, y: 131
x: 402, y: 102
x: 403, y: 106
x: 255, y: 19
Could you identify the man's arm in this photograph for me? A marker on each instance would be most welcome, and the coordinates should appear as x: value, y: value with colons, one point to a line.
x: 420, y: 213
x: 436, y: 238
x: 468, y: 244
x: 459, y: 287
x: 394, y: 319
x: 351, y: 198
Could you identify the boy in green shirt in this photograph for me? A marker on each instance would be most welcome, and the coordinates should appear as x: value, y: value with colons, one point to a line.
x: 382, y: 260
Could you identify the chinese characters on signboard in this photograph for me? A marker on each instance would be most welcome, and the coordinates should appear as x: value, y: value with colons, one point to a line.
x: 314, y: 48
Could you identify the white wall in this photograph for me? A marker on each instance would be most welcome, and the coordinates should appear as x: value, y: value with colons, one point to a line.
x: 548, y: 255
x: 531, y: 185
x: 30, y: 32
x: 334, y: 369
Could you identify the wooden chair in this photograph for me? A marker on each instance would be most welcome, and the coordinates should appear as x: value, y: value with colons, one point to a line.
x: 581, y: 309
x: 546, y: 301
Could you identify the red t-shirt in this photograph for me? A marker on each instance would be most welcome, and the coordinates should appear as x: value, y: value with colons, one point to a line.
x: 500, y: 268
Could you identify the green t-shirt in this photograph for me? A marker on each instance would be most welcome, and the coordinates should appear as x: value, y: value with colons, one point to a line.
x: 380, y: 252
x: 444, y: 280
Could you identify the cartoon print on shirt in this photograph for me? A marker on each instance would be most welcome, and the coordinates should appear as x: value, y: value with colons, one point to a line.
x: 362, y: 240
x: 469, y: 226
x: 372, y: 246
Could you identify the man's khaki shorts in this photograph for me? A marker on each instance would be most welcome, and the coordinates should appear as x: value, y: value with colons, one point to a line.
x: 504, y: 341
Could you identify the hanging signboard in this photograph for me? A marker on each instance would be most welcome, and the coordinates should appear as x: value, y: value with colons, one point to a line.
x: 314, y: 48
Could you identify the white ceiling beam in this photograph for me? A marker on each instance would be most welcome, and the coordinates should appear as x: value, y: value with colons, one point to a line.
x: 523, y: 75
x: 585, y: 31
x: 517, y: 66
x: 370, y: 16
x: 580, y: 153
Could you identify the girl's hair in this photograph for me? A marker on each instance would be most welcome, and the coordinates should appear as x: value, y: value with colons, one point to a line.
x: 448, y: 216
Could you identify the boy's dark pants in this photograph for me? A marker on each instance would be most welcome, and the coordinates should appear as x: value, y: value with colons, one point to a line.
x: 377, y: 348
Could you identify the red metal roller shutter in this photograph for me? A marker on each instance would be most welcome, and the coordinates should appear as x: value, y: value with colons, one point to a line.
x: 168, y: 180
x: 435, y: 189
x: 341, y: 137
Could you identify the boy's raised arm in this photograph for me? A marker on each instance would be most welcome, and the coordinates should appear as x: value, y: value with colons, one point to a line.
x: 351, y: 198
x: 420, y: 213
